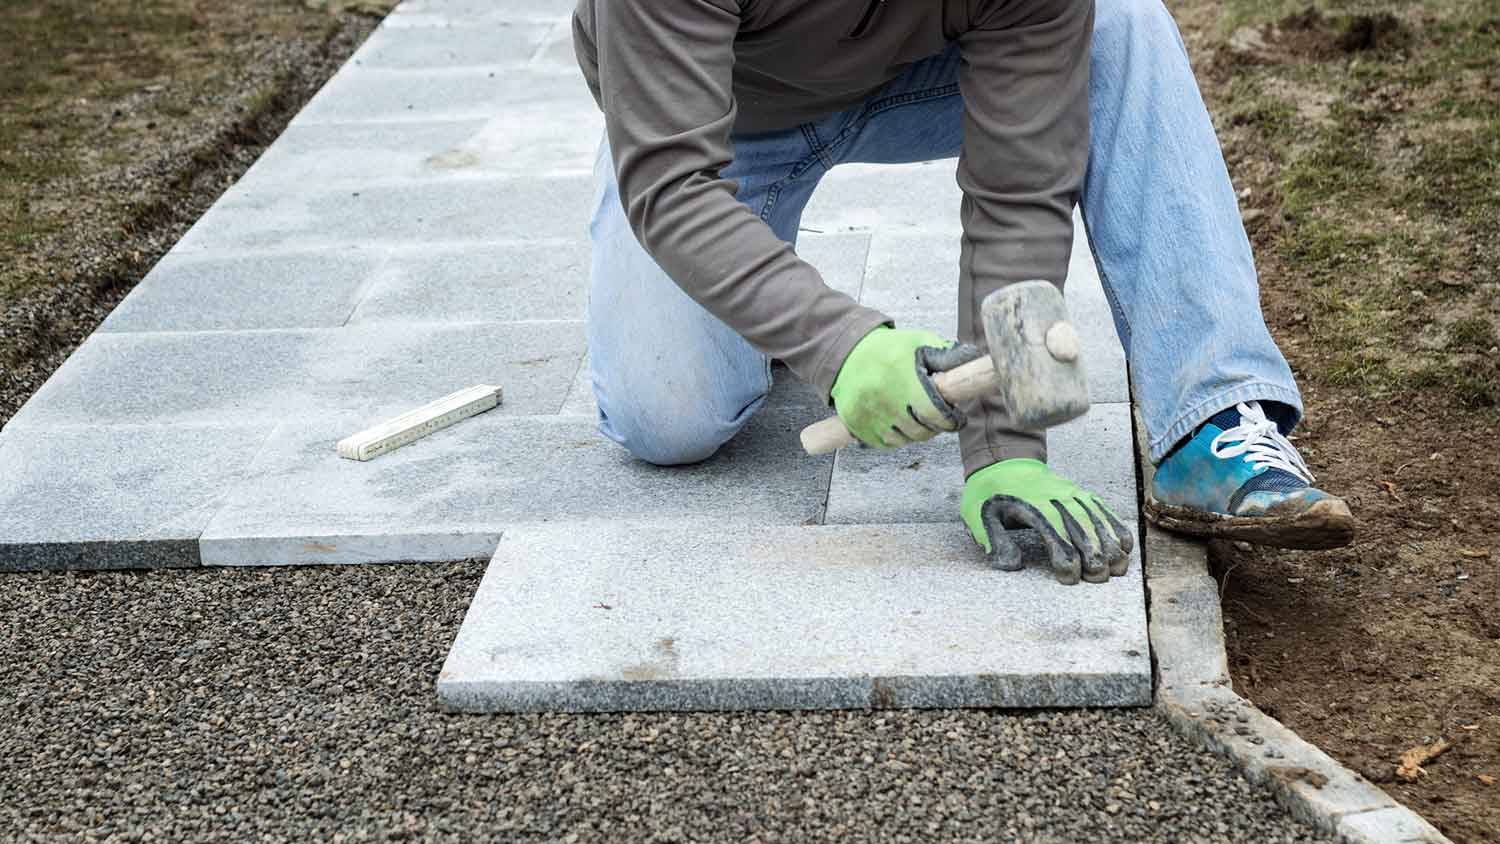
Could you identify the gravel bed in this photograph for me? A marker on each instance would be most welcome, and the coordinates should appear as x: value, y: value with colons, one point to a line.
x: 298, y: 704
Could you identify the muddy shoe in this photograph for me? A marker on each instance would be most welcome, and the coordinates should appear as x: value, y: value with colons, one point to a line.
x: 1239, y: 478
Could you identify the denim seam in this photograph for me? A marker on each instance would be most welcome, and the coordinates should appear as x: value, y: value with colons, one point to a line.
x: 773, y: 193
x: 886, y: 104
x: 1109, y: 290
x: 819, y: 149
x: 1189, y: 419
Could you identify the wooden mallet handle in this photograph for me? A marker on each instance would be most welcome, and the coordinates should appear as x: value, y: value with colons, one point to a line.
x: 956, y: 386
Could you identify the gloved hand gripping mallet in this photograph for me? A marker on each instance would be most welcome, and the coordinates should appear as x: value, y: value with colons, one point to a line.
x: 1032, y: 368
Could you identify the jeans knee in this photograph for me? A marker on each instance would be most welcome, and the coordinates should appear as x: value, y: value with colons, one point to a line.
x: 676, y: 435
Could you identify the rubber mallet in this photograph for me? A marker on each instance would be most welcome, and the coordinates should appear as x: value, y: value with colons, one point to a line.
x: 1032, y: 368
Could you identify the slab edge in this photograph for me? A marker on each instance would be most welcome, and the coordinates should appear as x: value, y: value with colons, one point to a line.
x: 755, y: 694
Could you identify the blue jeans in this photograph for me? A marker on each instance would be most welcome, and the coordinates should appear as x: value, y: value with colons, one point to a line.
x: 673, y: 383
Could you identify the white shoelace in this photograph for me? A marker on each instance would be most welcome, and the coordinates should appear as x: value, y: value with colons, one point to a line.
x: 1257, y: 438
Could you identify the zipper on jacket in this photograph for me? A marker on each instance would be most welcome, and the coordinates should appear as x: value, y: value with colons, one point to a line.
x: 867, y: 20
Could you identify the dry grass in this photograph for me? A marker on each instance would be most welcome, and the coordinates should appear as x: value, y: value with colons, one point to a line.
x: 1373, y: 135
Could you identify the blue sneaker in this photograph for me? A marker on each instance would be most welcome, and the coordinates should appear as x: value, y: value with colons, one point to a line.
x: 1239, y: 478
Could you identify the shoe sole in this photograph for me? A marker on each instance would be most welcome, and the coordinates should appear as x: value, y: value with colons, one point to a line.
x: 1326, y: 524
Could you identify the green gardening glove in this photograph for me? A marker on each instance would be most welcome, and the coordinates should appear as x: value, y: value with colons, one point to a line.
x: 884, y: 393
x: 1081, y: 535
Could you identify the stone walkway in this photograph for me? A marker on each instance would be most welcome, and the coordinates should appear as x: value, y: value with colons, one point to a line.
x: 419, y: 228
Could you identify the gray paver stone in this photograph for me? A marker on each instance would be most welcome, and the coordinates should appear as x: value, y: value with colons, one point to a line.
x: 528, y: 280
x: 370, y: 95
x: 528, y: 140
x: 691, y: 617
x: 557, y: 53
x: 580, y: 400
x: 478, y: 209
x: 839, y: 258
x: 424, y: 13
x: 486, y: 44
x: 287, y: 290
x: 114, y: 497
x: 374, y: 371
x: 491, y: 473
x: 914, y: 279
x: 920, y: 197
x: 1187, y: 630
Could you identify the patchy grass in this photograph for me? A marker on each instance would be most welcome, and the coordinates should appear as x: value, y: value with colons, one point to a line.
x: 91, y: 93
x: 1378, y: 128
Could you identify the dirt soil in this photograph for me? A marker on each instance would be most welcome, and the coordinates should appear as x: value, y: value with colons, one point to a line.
x: 1365, y: 141
x: 121, y: 121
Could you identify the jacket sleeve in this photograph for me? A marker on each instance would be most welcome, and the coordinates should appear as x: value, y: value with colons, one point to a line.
x: 666, y: 69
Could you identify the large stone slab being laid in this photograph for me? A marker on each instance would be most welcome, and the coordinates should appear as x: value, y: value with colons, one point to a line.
x: 609, y: 617
x: 450, y: 495
x: 115, y: 497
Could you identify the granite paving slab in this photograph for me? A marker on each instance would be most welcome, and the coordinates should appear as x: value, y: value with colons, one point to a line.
x: 554, y: 138
x: 426, y: 13
x: 914, y: 279
x: 492, y: 282
x: 920, y: 197
x: 558, y: 52
x: 463, y: 93
x: 471, y: 209
x: 450, y: 495
x: 924, y: 483
x: 688, y: 617
x: 457, y: 44
x: 580, y: 400
x: 115, y: 497
x: 184, y: 292
x: 528, y: 280
x: 374, y: 371
x: 839, y: 258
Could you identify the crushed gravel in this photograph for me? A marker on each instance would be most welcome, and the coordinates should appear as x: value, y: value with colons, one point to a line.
x: 298, y: 704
